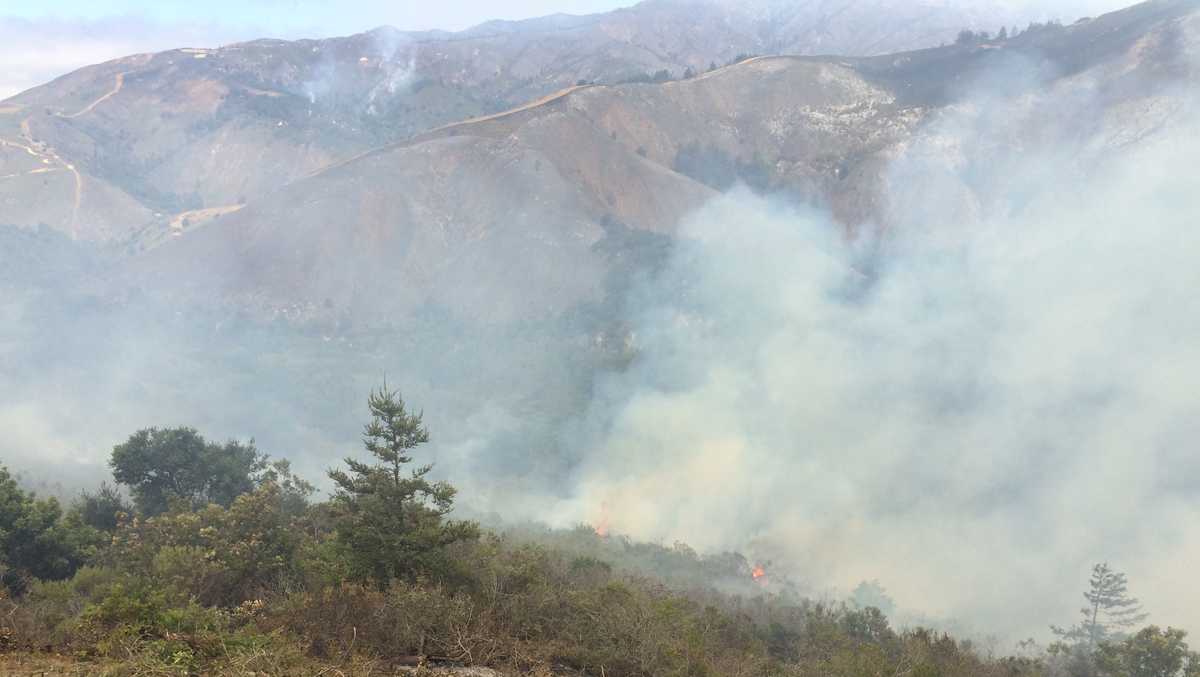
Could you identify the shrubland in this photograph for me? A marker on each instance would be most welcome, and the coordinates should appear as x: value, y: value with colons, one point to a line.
x: 224, y: 563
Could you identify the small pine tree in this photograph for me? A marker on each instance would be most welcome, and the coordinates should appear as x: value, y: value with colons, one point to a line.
x: 391, y: 522
x: 1109, y: 613
x: 102, y: 509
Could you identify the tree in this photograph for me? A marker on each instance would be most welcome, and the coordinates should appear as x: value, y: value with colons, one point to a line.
x: 1110, y: 610
x: 870, y: 594
x: 294, y: 491
x: 35, y: 540
x: 1152, y: 652
x: 100, y: 510
x: 162, y: 465
x: 391, y: 522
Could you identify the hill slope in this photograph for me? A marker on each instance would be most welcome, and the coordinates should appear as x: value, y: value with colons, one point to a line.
x: 138, y: 142
x: 505, y: 216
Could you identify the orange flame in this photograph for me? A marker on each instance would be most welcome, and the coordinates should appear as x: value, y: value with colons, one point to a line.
x: 759, y: 574
x: 601, y: 527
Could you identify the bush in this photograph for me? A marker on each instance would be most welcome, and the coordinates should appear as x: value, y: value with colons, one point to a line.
x: 1152, y: 652
x: 36, y: 540
x: 220, y: 556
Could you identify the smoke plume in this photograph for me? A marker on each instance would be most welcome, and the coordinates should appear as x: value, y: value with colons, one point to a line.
x: 972, y: 407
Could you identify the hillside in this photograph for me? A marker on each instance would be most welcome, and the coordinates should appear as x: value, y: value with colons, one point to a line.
x: 924, y: 316
x: 507, y: 216
x: 150, y: 141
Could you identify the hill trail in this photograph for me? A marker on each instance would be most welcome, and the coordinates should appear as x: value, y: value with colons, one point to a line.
x: 120, y: 82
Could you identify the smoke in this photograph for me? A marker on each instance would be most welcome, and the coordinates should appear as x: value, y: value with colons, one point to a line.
x: 382, y: 63
x: 972, y: 408
x: 397, y: 65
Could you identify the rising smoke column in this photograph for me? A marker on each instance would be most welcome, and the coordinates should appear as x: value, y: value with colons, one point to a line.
x: 973, y: 409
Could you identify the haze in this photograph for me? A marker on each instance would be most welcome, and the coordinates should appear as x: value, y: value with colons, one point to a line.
x: 904, y: 296
x: 41, y: 41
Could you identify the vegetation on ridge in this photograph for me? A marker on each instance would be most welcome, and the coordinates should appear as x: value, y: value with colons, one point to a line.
x: 223, y: 564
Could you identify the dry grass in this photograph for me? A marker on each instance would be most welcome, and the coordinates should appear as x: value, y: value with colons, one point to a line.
x: 36, y: 665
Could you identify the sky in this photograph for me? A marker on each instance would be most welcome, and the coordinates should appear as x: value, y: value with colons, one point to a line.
x: 42, y: 40
x: 288, y: 18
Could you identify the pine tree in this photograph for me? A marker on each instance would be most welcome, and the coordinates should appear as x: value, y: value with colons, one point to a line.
x: 1109, y: 613
x: 391, y: 522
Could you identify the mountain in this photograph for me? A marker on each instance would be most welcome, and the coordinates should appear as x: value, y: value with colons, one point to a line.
x: 514, y: 215
x: 249, y: 176
x: 155, y: 143
x: 962, y: 314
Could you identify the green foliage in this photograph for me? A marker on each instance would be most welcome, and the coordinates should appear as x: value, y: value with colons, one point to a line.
x: 1152, y: 652
x: 294, y: 491
x: 268, y: 583
x: 35, y: 539
x: 391, y: 522
x: 219, y: 556
x: 177, y: 464
x: 102, y: 510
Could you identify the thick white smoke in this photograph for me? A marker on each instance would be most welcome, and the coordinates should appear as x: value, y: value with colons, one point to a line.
x: 974, y: 410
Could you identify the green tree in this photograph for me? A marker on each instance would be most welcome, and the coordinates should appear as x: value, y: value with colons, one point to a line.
x: 100, y: 510
x: 163, y: 465
x: 35, y: 539
x: 1110, y: 610
x: 1152, y: 652
x: 391, y: 522
x: 294, y: 491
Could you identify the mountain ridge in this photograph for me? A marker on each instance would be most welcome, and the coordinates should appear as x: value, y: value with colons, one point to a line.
x: 196, y: 112
x: 548, y: 179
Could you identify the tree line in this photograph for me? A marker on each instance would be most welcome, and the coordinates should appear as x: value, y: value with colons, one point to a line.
x: 211, y: 558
